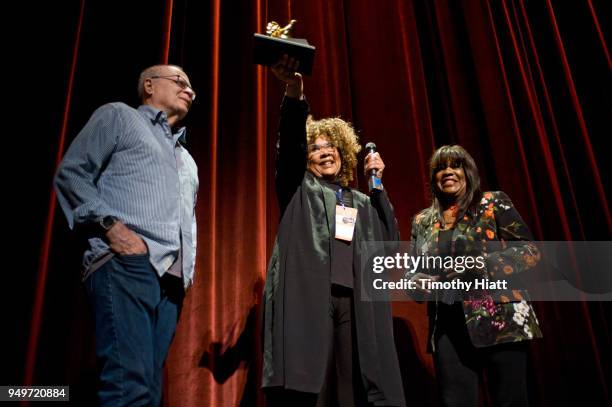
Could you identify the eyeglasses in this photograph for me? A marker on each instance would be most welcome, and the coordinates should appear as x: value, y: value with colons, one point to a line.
x: 318, y: 148
x: 180, y: 82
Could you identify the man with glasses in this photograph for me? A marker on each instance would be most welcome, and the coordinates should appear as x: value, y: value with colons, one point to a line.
x: 128, y: 184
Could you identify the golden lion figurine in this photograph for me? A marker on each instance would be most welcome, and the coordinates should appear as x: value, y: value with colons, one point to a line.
x: 273, y: 29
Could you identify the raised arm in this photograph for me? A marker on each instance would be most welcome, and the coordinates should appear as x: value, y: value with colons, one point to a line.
x: 291, y: 148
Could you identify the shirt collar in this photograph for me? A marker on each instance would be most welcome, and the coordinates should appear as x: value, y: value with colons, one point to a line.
x: 157, y: 116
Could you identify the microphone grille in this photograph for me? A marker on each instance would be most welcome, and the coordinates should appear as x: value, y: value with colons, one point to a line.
x: 370, y: 146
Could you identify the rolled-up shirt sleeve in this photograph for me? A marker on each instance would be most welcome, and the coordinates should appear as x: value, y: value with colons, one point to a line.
x: 79, y: 171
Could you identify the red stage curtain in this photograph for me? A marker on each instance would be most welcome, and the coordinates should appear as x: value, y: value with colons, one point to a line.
x: 523, y: 85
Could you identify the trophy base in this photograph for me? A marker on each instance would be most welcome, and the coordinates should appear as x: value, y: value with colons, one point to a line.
x: 269, y: 50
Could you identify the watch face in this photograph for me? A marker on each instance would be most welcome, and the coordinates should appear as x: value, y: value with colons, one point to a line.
x: 108, y: 221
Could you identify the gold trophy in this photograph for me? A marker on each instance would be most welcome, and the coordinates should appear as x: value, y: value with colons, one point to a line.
x: 273, y: 29
x: 268, y: 49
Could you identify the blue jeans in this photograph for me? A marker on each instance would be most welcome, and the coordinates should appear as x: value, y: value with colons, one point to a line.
x: 135, y: 318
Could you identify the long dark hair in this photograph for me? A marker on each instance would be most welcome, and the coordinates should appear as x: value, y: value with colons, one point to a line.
x: 456, y: 156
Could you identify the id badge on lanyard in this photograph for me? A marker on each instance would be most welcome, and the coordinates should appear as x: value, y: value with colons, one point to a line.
x: 346, y: 219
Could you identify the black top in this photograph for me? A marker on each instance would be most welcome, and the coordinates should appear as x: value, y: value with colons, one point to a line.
x: 445, y: 249
x: 341, y: 250
x: 444, y: 242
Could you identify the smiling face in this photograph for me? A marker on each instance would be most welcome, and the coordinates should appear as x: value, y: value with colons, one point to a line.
x: 324, y: 159
x: 451, y: 181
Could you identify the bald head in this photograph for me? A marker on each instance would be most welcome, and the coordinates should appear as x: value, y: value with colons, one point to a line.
x: 166, y: 88
x: 155, y: 70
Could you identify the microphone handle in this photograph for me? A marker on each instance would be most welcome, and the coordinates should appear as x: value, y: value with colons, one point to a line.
x: 373, y: 181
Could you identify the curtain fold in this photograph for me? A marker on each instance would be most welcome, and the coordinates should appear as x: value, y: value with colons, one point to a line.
x: 524, y: 86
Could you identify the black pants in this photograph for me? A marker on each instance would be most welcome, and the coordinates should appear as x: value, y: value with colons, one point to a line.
x: 459, y: 365
x: 342, y: 386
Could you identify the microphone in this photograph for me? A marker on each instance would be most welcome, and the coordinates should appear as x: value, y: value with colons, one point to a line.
x: 373, y: 181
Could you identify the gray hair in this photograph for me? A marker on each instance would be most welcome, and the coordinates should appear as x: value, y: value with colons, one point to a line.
x: 154, y: 70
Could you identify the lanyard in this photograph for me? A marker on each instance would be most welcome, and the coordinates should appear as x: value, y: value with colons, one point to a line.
x: 339, y: 197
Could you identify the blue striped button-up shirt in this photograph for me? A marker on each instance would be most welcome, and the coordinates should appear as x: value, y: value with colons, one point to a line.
x: 127, y: 163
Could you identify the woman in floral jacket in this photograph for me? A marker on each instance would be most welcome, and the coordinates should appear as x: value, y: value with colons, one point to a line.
x: 483, y: 330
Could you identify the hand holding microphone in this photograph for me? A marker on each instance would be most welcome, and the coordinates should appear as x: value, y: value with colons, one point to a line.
x: 374, y: 167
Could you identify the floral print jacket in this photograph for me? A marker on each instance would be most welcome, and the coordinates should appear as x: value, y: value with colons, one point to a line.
x: 496, y: 231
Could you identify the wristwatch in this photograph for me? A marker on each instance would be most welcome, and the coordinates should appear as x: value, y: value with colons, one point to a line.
x: 108, y: 221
